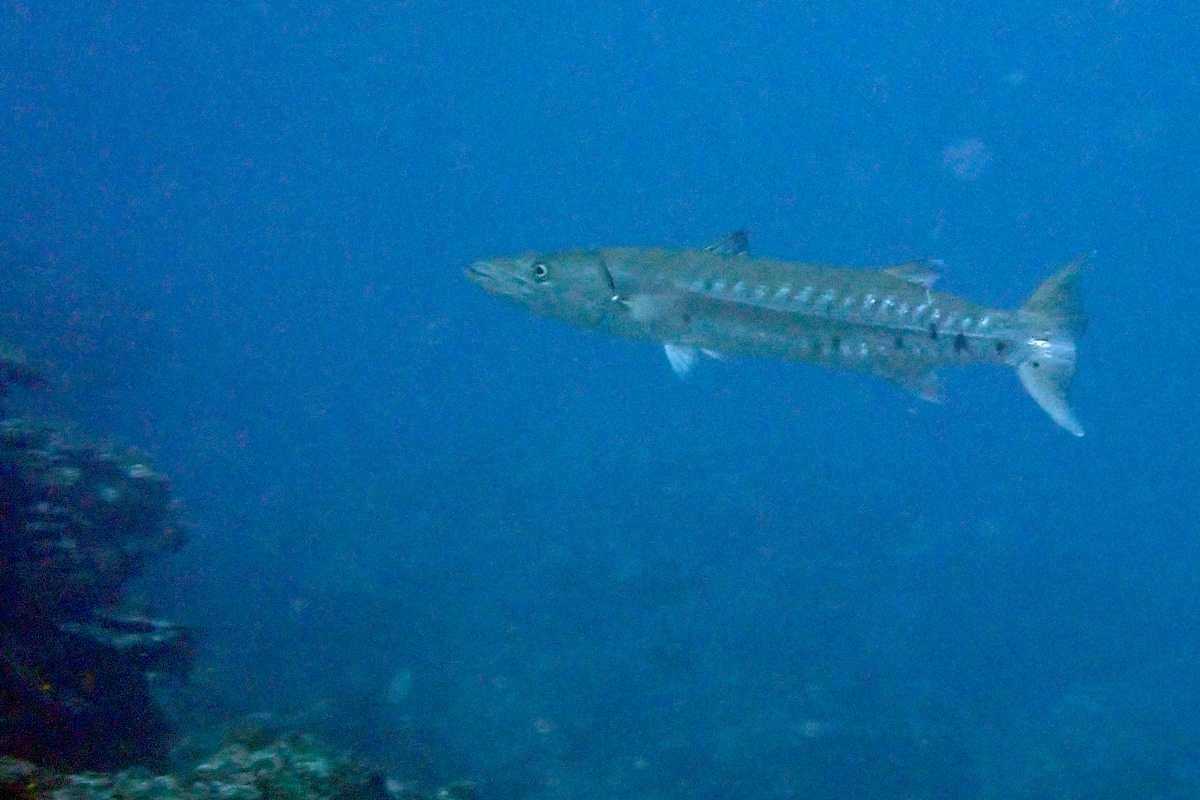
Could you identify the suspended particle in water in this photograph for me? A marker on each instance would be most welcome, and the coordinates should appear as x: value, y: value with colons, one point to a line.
x: 966, y: 158
x: 1014, y: 78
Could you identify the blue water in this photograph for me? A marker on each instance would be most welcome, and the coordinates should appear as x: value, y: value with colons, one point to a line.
x: 473, y: 543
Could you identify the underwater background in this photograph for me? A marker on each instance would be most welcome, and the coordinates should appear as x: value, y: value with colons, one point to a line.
x: 472, y: 543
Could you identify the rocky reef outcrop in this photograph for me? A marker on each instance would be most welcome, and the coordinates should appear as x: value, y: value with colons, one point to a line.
x: 77, y: 521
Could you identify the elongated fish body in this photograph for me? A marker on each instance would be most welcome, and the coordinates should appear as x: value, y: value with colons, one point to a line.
x: 720, y: 299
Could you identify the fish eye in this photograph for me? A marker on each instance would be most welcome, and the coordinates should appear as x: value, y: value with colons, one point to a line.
x: 540, y: 271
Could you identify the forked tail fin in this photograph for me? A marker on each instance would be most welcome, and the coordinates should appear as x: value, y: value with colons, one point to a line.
x: 1055, y: 318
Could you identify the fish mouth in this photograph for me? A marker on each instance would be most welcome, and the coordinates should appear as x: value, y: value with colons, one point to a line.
x: 480, y: 272
x: 493, y: 279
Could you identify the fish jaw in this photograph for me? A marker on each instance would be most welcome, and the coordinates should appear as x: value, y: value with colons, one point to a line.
x: 499, y: 277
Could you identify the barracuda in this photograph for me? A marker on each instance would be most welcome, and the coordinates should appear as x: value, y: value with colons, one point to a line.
x: 720, y: 299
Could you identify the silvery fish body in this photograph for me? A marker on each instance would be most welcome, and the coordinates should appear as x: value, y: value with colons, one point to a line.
x: 720, y: 299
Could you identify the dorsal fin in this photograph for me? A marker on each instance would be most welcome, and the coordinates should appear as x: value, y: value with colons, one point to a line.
x: 736, y: 243
x: 923, y: 273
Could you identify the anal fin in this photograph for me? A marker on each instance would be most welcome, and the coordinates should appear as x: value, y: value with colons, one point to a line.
x: 926, y: 385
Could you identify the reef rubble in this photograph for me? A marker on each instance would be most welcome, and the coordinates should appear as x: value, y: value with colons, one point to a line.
x: 290, y: 768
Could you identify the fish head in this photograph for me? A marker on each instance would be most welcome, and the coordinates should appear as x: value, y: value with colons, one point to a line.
x: 574, y: 286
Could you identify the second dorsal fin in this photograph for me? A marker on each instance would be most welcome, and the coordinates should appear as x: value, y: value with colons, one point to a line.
x: 923, y: 273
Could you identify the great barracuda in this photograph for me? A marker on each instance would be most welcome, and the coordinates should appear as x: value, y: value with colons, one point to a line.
x: 720, y: 299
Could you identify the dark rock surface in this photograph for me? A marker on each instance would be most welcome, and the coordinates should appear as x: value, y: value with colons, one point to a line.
x: 77, y: 520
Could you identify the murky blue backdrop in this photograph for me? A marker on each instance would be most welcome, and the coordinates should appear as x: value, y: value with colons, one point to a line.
x: 472, y: 543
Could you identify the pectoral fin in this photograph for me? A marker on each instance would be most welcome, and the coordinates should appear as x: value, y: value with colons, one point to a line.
x: 682, y: 358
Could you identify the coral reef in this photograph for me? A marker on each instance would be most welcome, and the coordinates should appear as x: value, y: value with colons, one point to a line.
x: 78, y: 720
x: 77, y: 520
x: 291, y: 768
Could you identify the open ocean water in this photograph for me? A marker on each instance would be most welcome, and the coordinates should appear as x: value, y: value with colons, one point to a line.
x: 473, y: 543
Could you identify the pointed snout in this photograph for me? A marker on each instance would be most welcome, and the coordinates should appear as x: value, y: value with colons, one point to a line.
x: 497, y: 277
x: 480, y: 271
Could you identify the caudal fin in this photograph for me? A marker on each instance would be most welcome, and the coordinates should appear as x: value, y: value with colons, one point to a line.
x: 1055, y: 318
